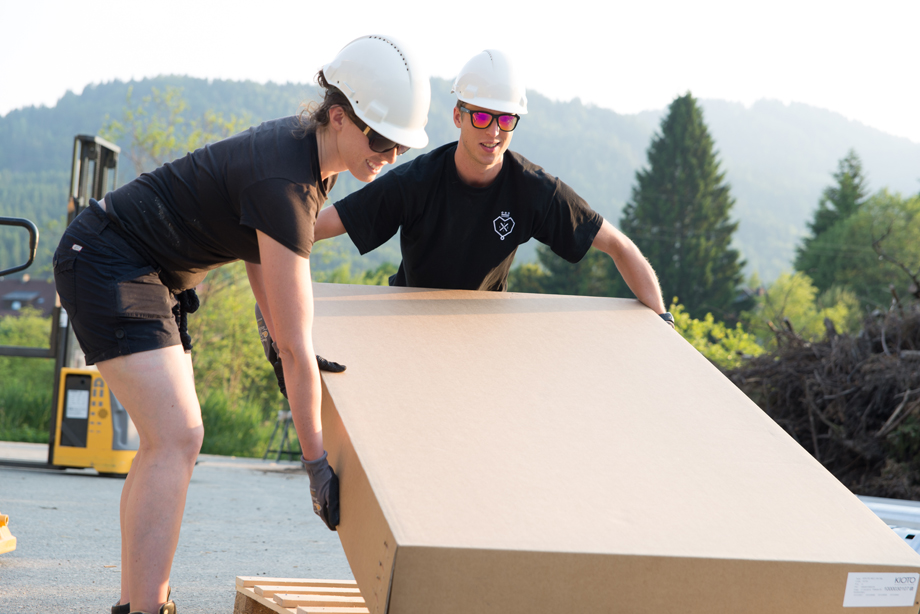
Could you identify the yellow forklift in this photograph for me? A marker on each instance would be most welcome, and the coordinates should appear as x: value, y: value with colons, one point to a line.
x: 89, y: 427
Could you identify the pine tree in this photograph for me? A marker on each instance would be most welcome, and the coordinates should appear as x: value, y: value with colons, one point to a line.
x: 679, y: 215
x: 816, y: 257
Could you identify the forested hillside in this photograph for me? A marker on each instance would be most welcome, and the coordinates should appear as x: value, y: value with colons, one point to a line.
x: 777, y: 158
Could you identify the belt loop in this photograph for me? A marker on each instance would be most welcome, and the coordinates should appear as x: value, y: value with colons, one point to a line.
x: 100, y: 213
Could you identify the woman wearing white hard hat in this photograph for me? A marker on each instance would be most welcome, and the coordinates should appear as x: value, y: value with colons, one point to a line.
x: 126, y: 268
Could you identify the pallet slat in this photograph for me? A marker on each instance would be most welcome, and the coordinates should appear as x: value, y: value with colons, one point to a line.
x: 253, y: 580
x: 247, y: 602
x: 289, y: 600
x: 263, y: 595
x: 271, y: 590
x: 311, y: 610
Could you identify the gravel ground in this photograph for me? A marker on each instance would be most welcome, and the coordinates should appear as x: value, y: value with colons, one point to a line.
x: 243, y: 517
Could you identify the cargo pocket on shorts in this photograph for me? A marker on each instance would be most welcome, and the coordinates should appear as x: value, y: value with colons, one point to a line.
x: 143, y: 295
x: 65, y: 279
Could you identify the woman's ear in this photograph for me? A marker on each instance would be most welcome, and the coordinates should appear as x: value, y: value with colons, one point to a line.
x: 337, y: 118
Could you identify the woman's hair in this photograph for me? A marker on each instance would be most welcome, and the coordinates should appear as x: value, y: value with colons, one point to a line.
x: 314, y: 114
x: 497, y: 279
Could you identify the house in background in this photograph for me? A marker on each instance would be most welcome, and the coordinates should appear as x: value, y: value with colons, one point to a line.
x: 17, y: 293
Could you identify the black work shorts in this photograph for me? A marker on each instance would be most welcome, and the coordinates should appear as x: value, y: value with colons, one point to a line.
x: 115, y: 300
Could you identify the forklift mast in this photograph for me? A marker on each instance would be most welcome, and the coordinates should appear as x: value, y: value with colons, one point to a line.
x: 89, y: 427
x: 93, y: 173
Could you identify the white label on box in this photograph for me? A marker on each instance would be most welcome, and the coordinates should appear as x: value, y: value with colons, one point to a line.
x: 880, y: 590
x: 77, y: 404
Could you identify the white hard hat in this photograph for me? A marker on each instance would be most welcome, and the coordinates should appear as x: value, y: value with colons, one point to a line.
x: 489, y: 81
x: 386, y: 87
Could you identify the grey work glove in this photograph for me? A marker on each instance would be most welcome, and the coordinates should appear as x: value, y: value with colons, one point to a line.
x: 271, y: 354
x: 324, y: 490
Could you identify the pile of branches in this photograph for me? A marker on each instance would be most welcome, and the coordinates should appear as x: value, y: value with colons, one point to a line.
x: 852, y: 401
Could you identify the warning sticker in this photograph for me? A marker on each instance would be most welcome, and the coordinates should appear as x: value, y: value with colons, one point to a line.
x: 880, y: 590
x: 76, y: 405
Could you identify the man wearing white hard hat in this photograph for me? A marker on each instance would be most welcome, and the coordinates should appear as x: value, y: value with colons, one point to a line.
x: 463, y: 208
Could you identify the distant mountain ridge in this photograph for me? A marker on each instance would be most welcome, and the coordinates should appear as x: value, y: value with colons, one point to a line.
x: 777, y: 158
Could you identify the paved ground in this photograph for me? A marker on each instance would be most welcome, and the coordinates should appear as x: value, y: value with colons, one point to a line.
x: 242, y: 517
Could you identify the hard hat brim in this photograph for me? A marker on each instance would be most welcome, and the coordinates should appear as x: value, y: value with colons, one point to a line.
x: 416, y: 139
x: 498, y: 106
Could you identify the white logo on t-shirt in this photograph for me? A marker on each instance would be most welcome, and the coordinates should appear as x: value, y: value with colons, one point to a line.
x: 503, y: 224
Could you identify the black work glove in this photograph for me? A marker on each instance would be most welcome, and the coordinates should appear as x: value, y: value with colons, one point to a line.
x: 324, y: 490
x: 328, y: 365
x: 271, y: 351
x: 271, y: 354
x: 264, y: 337
x: 279, y: 373
x: 324, y: 365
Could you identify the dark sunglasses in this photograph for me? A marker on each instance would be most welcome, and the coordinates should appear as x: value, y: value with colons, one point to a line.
x: 376, y: 141
x: 483, y: 119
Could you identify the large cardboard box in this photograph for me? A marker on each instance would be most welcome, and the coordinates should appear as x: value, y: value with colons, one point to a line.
x: 528, y: 453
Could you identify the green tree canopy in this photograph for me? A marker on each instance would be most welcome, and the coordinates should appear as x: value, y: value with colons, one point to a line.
x: 876, y: 247
x: 838, y: 202
x: 159, y: 131
x: 793, y: 302
x: 679, y: 215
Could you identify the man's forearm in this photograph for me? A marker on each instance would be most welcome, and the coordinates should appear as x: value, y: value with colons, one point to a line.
x: 632, y: 265
x: 641, y: 279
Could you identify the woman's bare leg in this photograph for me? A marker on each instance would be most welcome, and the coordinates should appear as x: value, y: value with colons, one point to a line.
x: 123, y: 507
x: 158, y: 390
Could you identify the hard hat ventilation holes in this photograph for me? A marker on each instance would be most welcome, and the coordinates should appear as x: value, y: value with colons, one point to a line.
x: 393, y: 45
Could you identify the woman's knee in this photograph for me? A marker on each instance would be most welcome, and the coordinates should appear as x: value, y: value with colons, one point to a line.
x: 190, y: 443
x: 194, y: 439
x: 183, y: 443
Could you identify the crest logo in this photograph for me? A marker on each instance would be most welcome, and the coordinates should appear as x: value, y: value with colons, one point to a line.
x: 503, y: 224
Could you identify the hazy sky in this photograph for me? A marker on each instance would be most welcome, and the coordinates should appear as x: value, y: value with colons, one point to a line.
x: 859, y: 59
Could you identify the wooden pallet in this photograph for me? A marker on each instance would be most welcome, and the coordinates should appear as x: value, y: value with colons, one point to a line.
x: 261, y: 595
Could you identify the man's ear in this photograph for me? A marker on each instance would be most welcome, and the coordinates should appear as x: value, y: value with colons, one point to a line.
x: 457, y: 117
x: 337, y: 117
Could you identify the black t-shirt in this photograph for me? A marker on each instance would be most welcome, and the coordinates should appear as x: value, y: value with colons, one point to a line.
x: 203, y: 210
x: 455, y: 236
